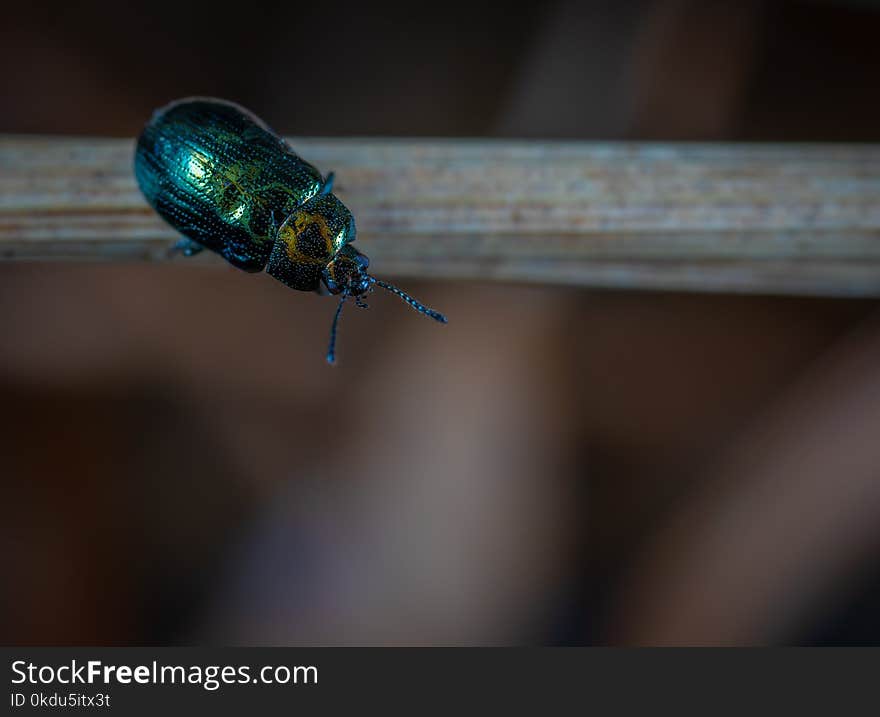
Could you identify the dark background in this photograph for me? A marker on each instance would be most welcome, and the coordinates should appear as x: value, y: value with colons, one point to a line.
x: 554, y: 467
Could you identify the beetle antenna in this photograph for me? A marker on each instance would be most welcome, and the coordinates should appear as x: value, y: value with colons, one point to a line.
x: 422, y: 309
x: 331, y: 349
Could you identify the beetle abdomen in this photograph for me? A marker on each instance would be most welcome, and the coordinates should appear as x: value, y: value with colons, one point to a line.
x: 222, y: 178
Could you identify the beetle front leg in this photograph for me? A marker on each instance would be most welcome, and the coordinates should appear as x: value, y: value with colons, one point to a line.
x: 332, y: 286
x: 328, y: 183
x: 187, y: 247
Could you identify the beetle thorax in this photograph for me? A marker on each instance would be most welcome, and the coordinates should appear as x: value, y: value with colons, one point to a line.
x: 312, y: 245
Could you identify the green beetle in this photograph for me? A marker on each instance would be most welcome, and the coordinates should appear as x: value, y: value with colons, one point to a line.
x: 228, y: 183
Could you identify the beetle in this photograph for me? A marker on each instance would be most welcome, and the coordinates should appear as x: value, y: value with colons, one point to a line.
x: 223, y: 179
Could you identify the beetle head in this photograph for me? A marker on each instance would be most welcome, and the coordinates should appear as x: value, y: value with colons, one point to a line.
x: 357, y: 282
x: 322, y: 227
x: 347, y: 273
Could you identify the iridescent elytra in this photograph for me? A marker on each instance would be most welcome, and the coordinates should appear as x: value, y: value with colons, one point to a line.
x: 223, y: 179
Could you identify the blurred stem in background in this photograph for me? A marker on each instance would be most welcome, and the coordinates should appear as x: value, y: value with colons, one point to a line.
x: 792, y: 516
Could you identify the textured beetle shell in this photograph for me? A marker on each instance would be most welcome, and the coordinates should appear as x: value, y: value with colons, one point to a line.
x: 222, y: 178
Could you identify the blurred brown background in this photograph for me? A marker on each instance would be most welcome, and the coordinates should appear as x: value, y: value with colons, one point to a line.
x: 553, y: 467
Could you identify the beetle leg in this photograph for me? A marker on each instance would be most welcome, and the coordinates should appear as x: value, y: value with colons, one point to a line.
x: 273, y: 229
x: 187, y: 247
x: 328, y: 184
x: 331, y: 285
